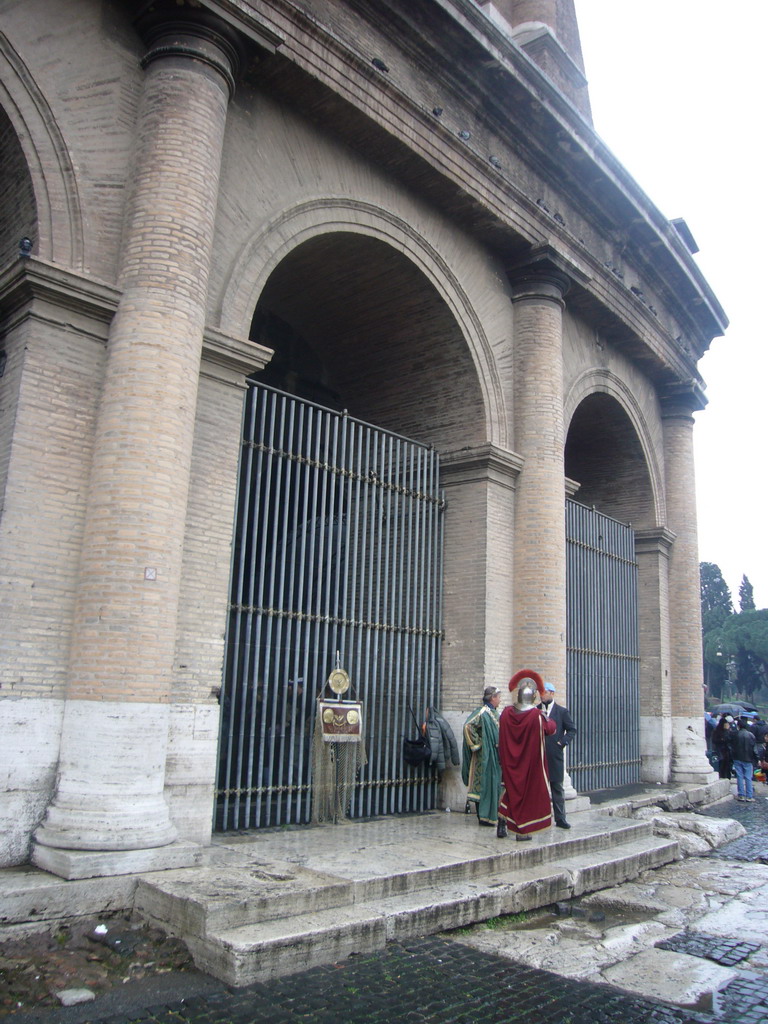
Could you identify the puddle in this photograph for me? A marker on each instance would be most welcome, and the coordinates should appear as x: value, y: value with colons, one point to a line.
x: 605, y: 917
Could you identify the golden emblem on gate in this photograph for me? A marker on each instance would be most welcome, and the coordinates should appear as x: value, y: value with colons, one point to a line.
x: 338, y: 681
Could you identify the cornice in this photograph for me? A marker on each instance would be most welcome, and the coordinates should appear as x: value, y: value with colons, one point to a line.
x: 681, y: 399
x: 482, y: 463
x: 656, y: 539
x: 236, y: 357
x: 30, y: 278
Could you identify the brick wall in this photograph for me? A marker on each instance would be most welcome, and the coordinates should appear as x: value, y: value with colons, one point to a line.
x: 58, y: 380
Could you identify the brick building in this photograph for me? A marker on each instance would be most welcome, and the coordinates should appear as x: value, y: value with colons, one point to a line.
x: 398, y: 215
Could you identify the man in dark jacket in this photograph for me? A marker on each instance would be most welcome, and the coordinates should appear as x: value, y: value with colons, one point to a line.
x: 555, y: 745
x: 744, y: 761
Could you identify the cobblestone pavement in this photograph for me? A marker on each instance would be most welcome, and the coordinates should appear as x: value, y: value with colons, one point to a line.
x: 428, y: 981
x: 754, y: 817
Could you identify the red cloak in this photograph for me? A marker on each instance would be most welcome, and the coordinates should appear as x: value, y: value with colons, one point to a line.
x: 526, y: 802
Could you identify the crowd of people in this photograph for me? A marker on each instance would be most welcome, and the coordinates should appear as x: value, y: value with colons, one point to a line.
x: 513, y: 763
x: 737, y: 745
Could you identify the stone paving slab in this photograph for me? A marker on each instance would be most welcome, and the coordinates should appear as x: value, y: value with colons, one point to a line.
x: 674, y: 977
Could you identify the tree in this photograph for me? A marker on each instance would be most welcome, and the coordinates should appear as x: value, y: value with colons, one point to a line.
x: 716, y: 608
x: 743, y: 637
x: 716, y: 604
x: 746, y: 596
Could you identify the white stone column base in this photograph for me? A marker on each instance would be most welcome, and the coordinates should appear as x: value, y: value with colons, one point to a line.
x: 190, y: 769
x: 574, y: 801
x: 72, y: 864
x: 110, y: 779
x: 30, y: 728
x: 689, y: 759
x: 655, y: 748
x: 452, y: 795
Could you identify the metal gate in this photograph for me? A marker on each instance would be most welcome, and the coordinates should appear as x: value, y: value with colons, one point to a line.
x: 602, y: 650
x: 338, y: 548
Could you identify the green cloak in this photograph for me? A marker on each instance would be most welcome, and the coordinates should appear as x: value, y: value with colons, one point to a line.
x: 480, y: 768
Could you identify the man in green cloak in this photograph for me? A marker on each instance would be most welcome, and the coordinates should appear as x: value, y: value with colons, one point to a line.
x: 480, y: 769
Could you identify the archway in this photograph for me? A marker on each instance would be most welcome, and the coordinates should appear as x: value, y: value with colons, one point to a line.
x: 605, y: 457
x: 338, y: 542
x: 356, y: 325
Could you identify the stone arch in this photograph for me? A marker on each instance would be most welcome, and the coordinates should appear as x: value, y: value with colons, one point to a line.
x: 308, y: 223
x: 609, y: 450
x: 48, y: 163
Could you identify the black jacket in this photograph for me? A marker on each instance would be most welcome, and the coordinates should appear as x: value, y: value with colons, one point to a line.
x: 566, y: 730
x: 744, y: 745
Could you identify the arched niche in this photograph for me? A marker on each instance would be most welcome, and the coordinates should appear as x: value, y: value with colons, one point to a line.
x: 355, y: 324
x: 609, y: 459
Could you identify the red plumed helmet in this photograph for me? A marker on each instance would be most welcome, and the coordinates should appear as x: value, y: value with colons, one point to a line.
x: 526, y: 673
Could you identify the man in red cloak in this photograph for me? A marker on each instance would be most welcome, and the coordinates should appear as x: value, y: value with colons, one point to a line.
x: 526, y: 804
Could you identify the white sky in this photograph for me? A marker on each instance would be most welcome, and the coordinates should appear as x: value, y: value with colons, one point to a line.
x: 678, y: 94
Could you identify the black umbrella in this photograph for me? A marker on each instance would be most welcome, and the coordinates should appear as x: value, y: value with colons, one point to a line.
x: 729, y: 709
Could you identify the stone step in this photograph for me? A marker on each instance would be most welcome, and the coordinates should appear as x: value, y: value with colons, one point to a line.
x: 229, y: 896
x: 259, y: 951
x: 32, y: 900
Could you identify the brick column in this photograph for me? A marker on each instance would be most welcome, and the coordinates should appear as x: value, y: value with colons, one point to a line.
x: 539, y: 584
x: 652, y: 548
x: 479, y: 487
x: 539, y: 540
x: 113, y: 748
x: 689, y: 763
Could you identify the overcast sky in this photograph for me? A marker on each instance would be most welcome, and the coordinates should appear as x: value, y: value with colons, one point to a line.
x: 678, y: 94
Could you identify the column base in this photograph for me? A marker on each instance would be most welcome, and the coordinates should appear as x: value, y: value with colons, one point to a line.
x: 72, y: 864
x: 655, y: 748
x: 111, y: 772
x: 574, y: 801
x: 689, y: 759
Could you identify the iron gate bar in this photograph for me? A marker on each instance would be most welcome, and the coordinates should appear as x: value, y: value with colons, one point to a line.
x: 228, y: 720
x: 379, y: 593
x: 338, y: 547
x: 256, y: 580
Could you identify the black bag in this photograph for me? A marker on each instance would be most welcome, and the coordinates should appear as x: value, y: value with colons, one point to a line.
x: 416, y: 752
